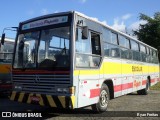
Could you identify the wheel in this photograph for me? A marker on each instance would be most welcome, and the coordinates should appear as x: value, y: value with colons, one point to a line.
x: 104, y: 97
x: 145, y: 90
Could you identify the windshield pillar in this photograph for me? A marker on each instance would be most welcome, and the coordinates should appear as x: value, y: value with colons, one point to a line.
x: 46, y: 48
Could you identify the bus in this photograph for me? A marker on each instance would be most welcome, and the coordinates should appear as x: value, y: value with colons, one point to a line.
x: 6, y: 54
x: 74, y: 61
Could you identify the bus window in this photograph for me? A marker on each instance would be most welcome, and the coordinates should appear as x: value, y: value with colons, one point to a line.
x: 107, y: 35
x: 126, y: 53
x: 54, y: 48
x: 114, y: 38
x: 143, y: 53
x: 106, y: 49
x: 155, y: 58
x: 82, y: 46
x: 147, y: 50
x: 111, y: 50
x: 134, y: 45
x: 26, y: 53
x: 124, y: 42
x: 135, y: 51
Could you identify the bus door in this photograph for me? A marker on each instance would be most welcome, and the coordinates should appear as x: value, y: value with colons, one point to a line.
x: 88, y: 57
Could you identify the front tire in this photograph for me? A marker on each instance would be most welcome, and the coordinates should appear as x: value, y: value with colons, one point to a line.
x: 104, y: 98
x: 145, y: 90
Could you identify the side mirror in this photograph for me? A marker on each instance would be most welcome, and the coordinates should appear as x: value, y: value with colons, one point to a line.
x: 3, y: 38
x: 85, y: 32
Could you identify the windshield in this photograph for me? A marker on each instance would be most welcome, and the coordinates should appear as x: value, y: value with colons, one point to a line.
x: 43, y: 49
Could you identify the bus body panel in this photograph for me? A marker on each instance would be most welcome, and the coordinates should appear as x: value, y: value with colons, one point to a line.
x: 126, y: 75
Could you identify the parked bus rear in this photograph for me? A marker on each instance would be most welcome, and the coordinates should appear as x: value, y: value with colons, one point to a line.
x: 6, y: 55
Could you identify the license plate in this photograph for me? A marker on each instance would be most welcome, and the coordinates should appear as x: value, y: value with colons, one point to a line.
x: 35, y: 98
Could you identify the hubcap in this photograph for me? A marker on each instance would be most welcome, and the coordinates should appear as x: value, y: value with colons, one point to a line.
x: 104, y: 98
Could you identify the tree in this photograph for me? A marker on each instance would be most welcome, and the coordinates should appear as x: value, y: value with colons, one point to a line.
x: 149, y: 33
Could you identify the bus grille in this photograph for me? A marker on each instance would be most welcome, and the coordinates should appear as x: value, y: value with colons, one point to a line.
x: 46, y: 84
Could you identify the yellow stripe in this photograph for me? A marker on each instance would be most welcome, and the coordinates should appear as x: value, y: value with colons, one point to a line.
x: 62, y: 100
x: 118, y: 68
x: 29, y: 98
x: 73, y: 101
x: 51, y: 101
x: 41, y: 99
x: 13, y: 95
x: 21, y: 97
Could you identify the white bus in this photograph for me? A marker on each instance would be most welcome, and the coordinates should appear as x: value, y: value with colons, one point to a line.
x: 74, y: 61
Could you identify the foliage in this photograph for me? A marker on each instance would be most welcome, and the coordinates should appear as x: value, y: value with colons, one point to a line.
x: 149, y: 33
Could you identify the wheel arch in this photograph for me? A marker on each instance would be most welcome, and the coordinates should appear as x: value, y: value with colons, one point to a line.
x: 110, y: 85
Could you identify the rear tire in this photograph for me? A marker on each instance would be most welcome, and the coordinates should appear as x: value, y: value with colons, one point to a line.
x: 104, y: 98
x: 145, y: 90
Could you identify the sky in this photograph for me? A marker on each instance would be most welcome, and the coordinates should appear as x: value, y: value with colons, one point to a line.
x: 120, y: 14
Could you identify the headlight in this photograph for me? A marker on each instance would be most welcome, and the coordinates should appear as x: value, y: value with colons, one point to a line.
x: 62, y: 90
x: 17, y: 87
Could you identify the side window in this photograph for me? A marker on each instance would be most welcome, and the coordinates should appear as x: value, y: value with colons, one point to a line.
x: 82, y: 46
x: 150, y: 55
x: 106, y: 49
x: 155, y: 58
x: 107, y: 35
x: 114, y: 38
x: 147, y: 50
x: 143, y: 53
x: 135, y: 51
x: 134, y: 45
x: 126, y: 53
x: 111, y: 50
x: 124, y: 42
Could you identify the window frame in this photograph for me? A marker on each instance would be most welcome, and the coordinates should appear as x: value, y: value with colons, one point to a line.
x: 89, y: 54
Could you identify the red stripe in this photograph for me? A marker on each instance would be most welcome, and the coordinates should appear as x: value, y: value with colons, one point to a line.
x: 117, y: 88
x: 144, y: 82
x: 6, y: 86
x: 127, y: 86
x: 94, y: 92
x: 39, y: 72
x: 152, y: 80
x: 121, y: 87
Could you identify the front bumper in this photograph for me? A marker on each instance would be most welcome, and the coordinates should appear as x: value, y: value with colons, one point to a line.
x: 44, y: 100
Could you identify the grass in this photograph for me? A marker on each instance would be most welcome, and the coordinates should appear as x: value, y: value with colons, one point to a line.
x: 155, y: 87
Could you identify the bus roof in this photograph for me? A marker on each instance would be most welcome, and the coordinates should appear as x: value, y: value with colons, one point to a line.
x: 89, y: 18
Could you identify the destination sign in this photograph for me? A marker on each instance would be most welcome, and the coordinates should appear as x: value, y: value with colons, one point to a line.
x: 45, y: 22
